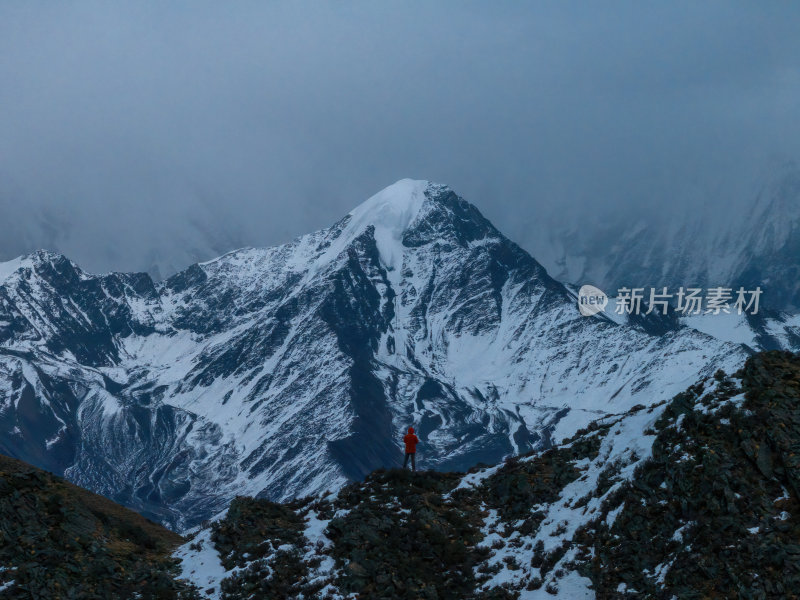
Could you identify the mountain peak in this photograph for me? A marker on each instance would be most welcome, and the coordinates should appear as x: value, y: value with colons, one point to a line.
x: 394, y: 207
x: 390, y: 212
x: 413, y: 212
x: 34, y: 260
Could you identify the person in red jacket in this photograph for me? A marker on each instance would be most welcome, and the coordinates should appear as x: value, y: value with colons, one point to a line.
x: 411, y: 442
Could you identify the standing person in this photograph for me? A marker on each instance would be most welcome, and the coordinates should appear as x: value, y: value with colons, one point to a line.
x: 411, y: 442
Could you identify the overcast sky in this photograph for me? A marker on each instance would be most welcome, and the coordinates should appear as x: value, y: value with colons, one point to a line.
x: 137, y: 133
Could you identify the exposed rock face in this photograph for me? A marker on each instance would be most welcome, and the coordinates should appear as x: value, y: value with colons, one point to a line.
x: 284, y: 371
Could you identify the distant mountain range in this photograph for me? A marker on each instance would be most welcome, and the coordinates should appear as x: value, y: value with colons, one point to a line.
x: 699, y: 233
x: 705, y: 244
x: 286, y: 371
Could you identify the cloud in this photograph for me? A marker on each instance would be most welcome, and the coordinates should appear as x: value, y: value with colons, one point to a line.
x: 141, y: 134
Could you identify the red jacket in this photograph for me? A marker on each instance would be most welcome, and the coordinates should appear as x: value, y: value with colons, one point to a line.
x: 411, y: 441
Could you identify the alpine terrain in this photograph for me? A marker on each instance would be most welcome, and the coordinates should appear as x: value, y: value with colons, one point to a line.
x: 287, y: 371
x: 696, y: 497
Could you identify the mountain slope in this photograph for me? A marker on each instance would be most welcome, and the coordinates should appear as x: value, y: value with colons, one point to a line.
x: 285, y: 371
x: 695, y: 497
x: 60, y: 541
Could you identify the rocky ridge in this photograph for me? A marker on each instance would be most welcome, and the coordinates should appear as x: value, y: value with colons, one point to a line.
x: 692, y: 498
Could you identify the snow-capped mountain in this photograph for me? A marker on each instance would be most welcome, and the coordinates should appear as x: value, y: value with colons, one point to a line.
x: 284, y: 371
x: 749, y: 242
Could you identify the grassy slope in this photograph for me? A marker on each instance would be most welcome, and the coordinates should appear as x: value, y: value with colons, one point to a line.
x: 60, y: 541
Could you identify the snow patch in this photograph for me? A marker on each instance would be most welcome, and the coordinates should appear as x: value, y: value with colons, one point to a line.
x: 10, y: 267
x: 202, y: 566
x: 391, y: 211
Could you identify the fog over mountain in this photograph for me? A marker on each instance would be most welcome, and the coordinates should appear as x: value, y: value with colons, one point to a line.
x: 146, y: 137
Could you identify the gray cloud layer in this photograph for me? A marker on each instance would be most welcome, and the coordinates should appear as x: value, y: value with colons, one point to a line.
x: 134, y: 134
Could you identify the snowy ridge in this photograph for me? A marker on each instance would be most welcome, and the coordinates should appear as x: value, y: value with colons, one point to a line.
x: 390, y: 212
x: 627, y: 445
x: 10, y: 267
